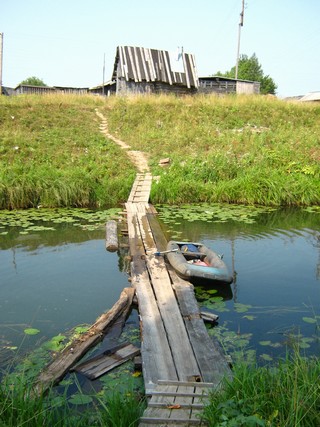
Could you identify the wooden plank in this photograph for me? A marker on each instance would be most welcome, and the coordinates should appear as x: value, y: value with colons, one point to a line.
x: 107, y: 361
x: 175, y: 403
x: 56, y: 370
x: 188, y: 383
x: 184, y: 397
x: 187, y: 367
x: 161, y: 402
x: 155, y: 364
x: 163, y: 422
x: 199, y: 401
x: 181, y: 393
x: 212, y: 362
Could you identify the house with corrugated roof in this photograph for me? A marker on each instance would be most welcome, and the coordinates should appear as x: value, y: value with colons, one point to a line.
x: 311, y: 97
x: 143, y: 70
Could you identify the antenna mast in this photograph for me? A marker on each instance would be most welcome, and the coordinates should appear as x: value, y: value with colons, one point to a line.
x: 239, y: 33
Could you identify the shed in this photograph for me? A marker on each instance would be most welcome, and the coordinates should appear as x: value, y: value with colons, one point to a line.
x: 107, y: 88
x: 311, y: 97
x: 144, y: 70
x: 40, y: 90
x: 224, y: 85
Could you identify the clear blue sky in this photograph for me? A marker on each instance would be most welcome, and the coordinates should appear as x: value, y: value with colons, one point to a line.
x: 63, y: 42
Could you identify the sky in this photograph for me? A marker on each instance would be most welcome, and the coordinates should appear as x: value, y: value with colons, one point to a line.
x: 67, y: 42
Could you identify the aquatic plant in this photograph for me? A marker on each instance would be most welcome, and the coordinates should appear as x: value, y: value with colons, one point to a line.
x: 284, y: 394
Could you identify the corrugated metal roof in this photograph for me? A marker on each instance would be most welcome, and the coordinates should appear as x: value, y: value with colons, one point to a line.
x: 311, y: 96
x: 151, y: 65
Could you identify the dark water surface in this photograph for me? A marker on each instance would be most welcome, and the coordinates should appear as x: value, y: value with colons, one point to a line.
x: 55, y: 279
x: 274, y: 301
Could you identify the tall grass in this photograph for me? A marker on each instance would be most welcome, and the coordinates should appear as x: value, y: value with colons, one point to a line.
x: 20, y: 407
x: 233, y: 149
x: 287, y: 395
x: 237, y: 149
x: 52, y: 154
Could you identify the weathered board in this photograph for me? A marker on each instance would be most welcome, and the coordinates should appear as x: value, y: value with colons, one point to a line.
x: 53, y: 372
x: 175, y: 345
x: 157, y: 361
x: 187, y: 368
x: 176, y: 403
x: 107, y: 361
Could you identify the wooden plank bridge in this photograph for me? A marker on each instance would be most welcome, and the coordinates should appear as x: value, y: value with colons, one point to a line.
x: 180, y: 362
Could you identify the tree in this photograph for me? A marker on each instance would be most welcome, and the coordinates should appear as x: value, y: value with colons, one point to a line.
x: 250, y: 69
x: 33, y: 81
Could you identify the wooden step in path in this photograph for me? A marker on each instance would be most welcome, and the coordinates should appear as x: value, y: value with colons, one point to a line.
x: 176, y: 350
x: 176, y: 403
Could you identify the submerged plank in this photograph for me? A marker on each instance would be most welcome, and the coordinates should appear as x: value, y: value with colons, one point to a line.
x: 53, y: 372
x: 107, y: 361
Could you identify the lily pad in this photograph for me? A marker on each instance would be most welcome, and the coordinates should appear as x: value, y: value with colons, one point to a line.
x: 266, y: 357
x: 309, y: 319
x: 80, y: 399
x: 241, y: 308
x: 249, y: 317
x: 31, y: 331
x: 265, y: 343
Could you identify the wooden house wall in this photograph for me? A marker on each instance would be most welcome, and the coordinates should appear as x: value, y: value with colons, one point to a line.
x: 217, y: 86
x: 248, y: 87
x: 40, y: 90
x: 130, y: 87
x: 33, y: 90
x: 227, y: 86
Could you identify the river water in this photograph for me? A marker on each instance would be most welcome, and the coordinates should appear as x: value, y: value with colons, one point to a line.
x: 55, y: 274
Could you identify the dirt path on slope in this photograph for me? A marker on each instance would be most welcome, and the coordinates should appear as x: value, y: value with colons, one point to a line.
x: 138, y: 158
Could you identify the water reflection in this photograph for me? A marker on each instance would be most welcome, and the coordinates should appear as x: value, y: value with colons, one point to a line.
x: 56, y: 279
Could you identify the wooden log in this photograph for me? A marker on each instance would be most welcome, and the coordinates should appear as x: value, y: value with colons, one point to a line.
x: 56, y: 370
x: 111, y: 236
x: 209, y: 317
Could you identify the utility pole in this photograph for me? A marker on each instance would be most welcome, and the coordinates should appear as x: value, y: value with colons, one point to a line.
x: 239, y: 33
x: 1, y: 54
x: 103, y: 72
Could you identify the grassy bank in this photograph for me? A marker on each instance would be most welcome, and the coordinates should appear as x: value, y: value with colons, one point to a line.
x: 233, y: 149
x: 52, y: 154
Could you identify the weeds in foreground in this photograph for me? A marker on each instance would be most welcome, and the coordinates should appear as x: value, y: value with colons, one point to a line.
x: 20, y: 407
x: 286, y: 395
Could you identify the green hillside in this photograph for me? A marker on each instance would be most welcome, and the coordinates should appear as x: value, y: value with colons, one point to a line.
x: 233, y: 149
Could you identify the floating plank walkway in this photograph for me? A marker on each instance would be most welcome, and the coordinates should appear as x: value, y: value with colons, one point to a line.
x: 179, y: 359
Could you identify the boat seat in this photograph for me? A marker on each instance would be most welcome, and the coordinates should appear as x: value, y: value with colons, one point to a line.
x: 193, y: 255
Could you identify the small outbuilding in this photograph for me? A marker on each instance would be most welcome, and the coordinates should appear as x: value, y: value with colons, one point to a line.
x: 224, y: 85
x: 311, y: 97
